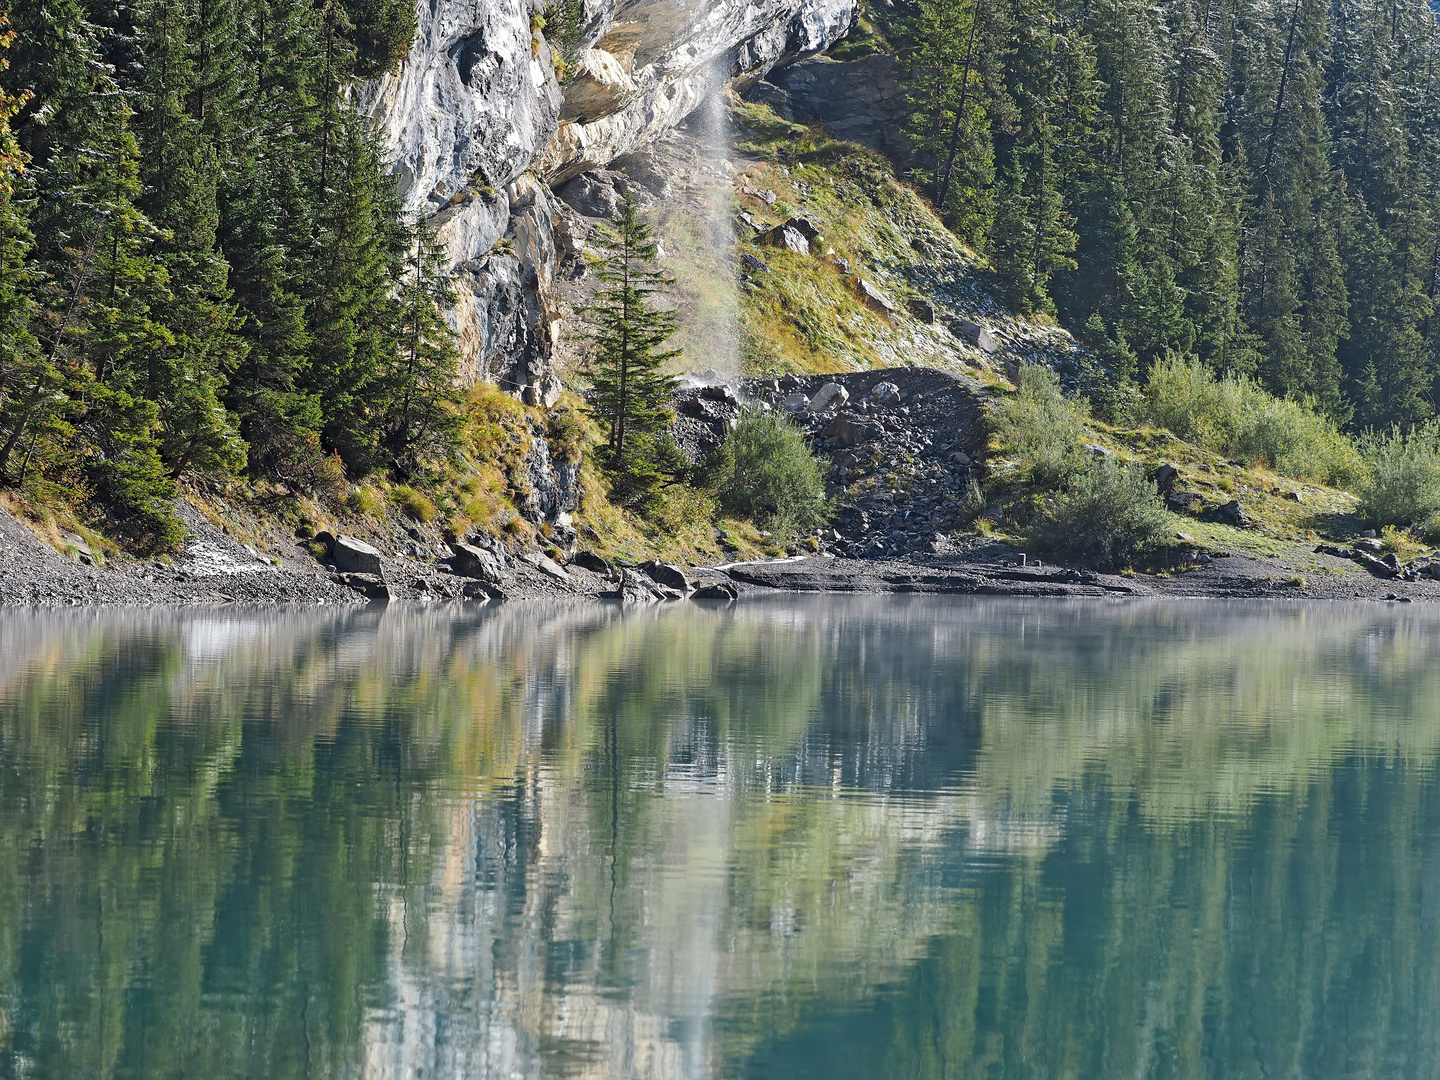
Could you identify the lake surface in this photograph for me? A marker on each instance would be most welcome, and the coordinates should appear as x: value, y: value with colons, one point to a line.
x: 920, y: 838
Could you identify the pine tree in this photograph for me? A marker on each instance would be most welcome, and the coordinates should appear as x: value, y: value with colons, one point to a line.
x: 417, y: 412
x: 954, y: 69
x: 630, y: 389
x: 181, y: 173
x: 24, y: 383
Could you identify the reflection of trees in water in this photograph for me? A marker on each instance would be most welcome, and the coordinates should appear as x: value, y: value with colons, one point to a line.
x: 672, y: 842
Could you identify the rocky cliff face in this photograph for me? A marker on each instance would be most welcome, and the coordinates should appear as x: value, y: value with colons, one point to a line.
x: 479, y: 126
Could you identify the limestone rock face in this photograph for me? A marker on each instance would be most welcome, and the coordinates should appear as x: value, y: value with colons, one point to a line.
x: 478, y: 129
x: 472, y: 105
x: 652, y: 62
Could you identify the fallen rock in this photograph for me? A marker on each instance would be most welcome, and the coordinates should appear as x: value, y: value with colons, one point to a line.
x: 1185, y: 501
x: 667, y: 574
x: 1231, y: 513
x: 588, y: 560
x: 885, y: 393
x: 1369, y: 544
x: 475, y: 562
x: 722, y: 393
x: 805, y: 227
x: 753, y: 263
x: 831, y: 395
x: 783, y: 236
x: 975, y: 334
x: 849, y: 430
x: 873, y: 298
x: 1378, y: 567
x: 720, y: 591
x: 796, y: 401
x: 482, y: 590
x: 546, y: 565
x: 354, y: 556
x: 635, y: 590
x: 1165, y: 477
x: 923, y: 310
x: 368, y: 585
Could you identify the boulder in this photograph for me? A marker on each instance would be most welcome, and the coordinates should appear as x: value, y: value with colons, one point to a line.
x: 790, y: 239
x: 796, y: 401
x: 1231, y: 513
x: 368, y: 585
x: 1165, y: 477
x: 352, y: 556
x: 722, y: 393
x: 546, y: 565
x: 475, y: 562
x: 1184, y: 501
x: 923, y: 310
x: 588, y: 560
x: 1378, y: 567
x: 482, y: 590
x: 753, y: 263
x: 805, y: 227
x: 873, y: 298
x: 885, y: 393
x: 722, y: 590
x: 848, y: 430
x: 1370, y: 544
x: 635, y: 589
x: 975, y: 334
x: 830, y: 396
x: 667, y: 574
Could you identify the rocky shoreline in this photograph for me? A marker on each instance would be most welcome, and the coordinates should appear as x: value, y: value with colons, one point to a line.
x: 214, y: 569
x: 904, y: 445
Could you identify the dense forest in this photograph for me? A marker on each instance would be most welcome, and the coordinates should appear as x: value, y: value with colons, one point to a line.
x: 203, y: 265
x: 1253, y: 182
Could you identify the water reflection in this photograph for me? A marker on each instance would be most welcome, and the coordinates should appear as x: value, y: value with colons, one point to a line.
x: 901, y: 837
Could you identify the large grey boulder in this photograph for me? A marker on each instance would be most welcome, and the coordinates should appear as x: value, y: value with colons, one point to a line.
x: 975, y: 334
x: 885, y: 393
x: 476, y: 563
x: 830, y: 396
x: 668, y: 575
x: 352, y: 556
x: 874, y: 298
x: 787, y: 238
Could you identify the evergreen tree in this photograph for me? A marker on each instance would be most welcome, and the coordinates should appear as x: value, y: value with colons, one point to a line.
x: 418, y: 419
x: 631, y: 391
x: 954, y: 69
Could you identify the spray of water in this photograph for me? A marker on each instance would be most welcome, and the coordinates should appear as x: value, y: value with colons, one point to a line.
x: 714, y: 315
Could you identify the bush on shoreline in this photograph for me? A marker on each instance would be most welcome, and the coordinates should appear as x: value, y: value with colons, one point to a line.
x: 1235, y: 416
x: 766, y: 472
x: 1109, y: 513
x: 1403, y: 486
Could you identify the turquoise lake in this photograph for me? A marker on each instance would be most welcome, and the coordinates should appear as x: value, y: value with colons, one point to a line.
x: 826, y: 837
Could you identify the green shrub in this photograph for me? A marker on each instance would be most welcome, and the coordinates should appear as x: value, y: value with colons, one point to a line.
x: 364, y: 501
x: 415, y: 504
x: 1403, y: 486
x: 1110, y: 513
x: 766, y: 472
x: 1236, y: 417
x: 1041, y: 427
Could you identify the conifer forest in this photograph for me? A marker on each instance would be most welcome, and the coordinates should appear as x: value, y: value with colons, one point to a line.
x: 204, y: 269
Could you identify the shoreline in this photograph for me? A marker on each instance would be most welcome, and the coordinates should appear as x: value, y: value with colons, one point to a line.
x: 214, y: 569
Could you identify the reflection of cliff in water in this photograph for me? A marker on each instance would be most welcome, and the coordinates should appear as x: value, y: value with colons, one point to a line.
x: 566, y: 841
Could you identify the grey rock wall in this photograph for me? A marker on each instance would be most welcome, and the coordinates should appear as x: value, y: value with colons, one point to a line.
x: 475, y: 118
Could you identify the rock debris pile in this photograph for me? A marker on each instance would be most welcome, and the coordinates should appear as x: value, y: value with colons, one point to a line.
x: 902, y: 445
